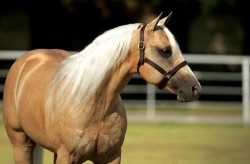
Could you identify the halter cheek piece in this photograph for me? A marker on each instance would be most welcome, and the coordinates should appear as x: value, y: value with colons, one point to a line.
x: 166, y: 74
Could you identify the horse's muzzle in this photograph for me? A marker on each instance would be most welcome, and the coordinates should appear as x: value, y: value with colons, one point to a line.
x: 189, y: 95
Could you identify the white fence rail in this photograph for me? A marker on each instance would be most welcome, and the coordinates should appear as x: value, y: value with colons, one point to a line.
x: 244, y: 61
x: 211, y: 59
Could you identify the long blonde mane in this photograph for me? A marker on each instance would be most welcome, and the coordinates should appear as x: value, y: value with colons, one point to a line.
x: 82, y: 73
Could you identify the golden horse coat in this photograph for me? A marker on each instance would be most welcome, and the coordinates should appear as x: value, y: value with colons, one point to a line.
x: 70, y: 104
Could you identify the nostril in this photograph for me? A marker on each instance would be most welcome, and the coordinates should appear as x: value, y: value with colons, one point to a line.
x: 195, y: 89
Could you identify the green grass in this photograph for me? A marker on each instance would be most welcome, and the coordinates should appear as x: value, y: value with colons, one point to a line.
x: 5, y: 147
x: 186, y: 144
x: 161, y: 143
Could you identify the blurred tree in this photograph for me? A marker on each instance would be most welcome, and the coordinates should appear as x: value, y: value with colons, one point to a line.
x: 72, y: 24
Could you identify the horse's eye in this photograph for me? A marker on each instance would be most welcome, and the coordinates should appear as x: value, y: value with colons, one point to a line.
x: 167, y: 52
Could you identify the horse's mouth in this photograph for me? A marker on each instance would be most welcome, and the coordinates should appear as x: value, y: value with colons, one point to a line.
x: 182, y: 97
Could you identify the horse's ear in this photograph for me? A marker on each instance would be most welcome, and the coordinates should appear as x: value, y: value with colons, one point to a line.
x: 154, y: 23
x: 165, y: 20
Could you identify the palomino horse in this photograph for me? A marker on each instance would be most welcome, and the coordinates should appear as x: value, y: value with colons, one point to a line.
x: 71, y: 104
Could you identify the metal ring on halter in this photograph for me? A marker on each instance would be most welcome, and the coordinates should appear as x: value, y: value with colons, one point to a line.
x: 167, y: 75
x: 141, y: 45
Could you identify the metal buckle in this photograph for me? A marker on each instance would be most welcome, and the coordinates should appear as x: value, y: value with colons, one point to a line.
x: 141, y: 45
x: 167, y: 75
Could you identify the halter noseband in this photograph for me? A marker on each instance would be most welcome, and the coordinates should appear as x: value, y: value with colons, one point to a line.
x: 166, y: 74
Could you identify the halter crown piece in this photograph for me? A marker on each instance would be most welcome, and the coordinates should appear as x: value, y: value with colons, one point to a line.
x: 143, y: 59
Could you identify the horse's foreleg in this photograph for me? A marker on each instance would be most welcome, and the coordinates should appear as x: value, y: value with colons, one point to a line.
x: 23, y: 147
x: 115, y: 158
x: 55, y: 157
x: 63, y: 157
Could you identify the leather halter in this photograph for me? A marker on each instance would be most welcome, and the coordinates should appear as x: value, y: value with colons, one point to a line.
x: 166, y: 74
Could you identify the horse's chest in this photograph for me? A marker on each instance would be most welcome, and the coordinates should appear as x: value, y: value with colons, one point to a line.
x: 109, y: 138
x: 111, y: 133
x: 102, y: 139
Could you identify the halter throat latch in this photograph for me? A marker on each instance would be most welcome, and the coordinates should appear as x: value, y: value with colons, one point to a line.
x: 142, y: 47
x: 143, y: 59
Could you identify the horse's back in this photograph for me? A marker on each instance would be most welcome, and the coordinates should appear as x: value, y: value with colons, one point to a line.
x: 25, y: 89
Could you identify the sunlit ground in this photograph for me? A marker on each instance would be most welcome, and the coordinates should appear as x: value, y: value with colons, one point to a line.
x: 159, y: 143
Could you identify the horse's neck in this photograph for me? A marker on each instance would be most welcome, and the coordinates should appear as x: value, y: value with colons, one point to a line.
x: 103, y: 102
x: 109, y: 90
x: 114, y: 82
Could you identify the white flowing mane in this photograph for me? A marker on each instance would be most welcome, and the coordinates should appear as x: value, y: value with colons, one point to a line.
x: 84, y: 71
